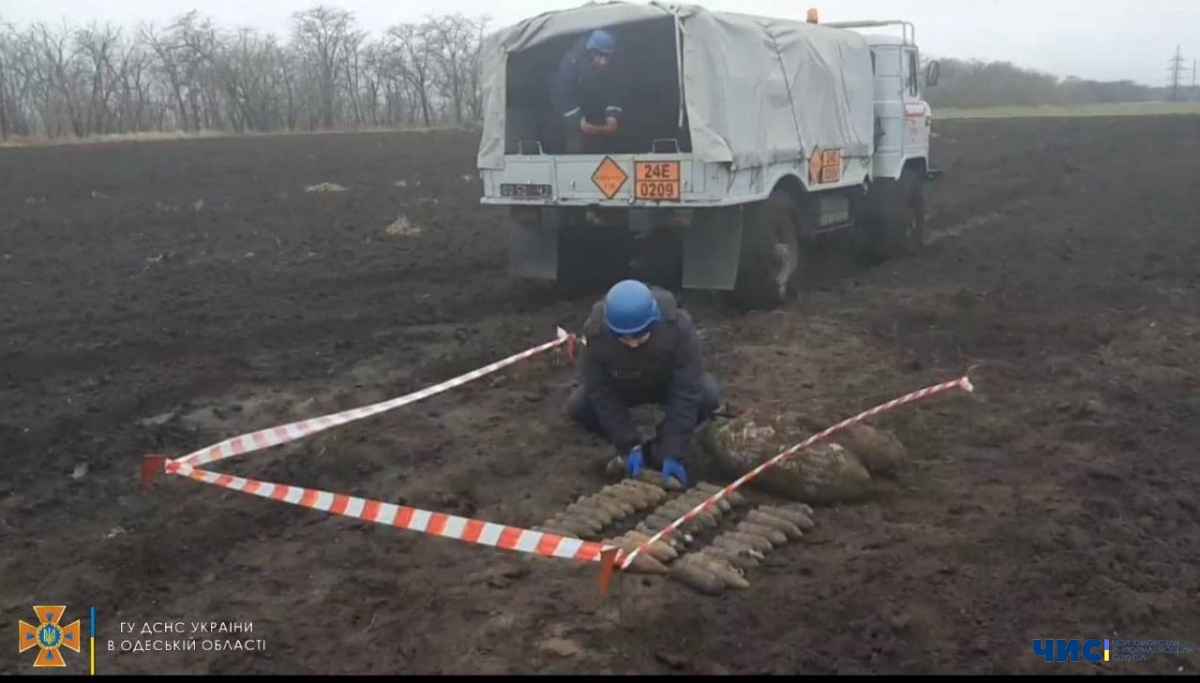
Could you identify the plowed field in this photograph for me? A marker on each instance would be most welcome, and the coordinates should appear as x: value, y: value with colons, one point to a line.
x: 163, y: 296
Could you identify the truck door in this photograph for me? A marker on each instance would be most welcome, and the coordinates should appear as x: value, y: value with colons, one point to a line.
x: 917, y: 115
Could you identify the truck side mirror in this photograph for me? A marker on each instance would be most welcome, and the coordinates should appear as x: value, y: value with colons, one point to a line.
x: 932, y: 71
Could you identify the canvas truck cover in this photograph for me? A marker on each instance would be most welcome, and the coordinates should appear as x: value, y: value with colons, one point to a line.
x: 757, y: 89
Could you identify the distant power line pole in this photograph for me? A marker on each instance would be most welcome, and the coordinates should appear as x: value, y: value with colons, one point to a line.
x: 1176, y: 70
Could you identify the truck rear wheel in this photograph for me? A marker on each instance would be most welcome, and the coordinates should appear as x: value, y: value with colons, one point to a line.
x: 769, y: 267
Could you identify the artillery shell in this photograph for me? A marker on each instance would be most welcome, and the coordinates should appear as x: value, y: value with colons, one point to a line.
x: 568, y: 518
x: 721, y: 569
x: 626, y: 506
x: 649, y: 527
x: 678, y: 540
x: 613, y: 507
x: 757, y: 542
x: 656, y: 494
x: 720, y: 504
x: 796, y: 517
x: 631, y: 497
x: 593, y: 512
x: 742, y: 561
x: 570, y: 525
x: 644, y: 563
x: 724, y: 542
x: 758, y: 517
x: 658, y: 550
x: 665, y: 548
x: 775, y: 536
x: 718, y: 507
x: 697, y: 578
x: 678, y: 508
x: 801, y: 507
x: 658, y: 521
x: 735, y: 499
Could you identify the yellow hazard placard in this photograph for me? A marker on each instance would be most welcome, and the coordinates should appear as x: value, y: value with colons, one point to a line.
x: 609, y: 177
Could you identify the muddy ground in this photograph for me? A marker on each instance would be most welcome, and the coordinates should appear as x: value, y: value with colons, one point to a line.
x: 159, y: 297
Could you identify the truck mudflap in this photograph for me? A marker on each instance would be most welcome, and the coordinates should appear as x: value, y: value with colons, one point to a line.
x: 711, y: 248
x: 533, y: 245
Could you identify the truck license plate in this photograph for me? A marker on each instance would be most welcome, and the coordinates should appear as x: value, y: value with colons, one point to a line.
x: 656, y: 180
x: 527, y: 190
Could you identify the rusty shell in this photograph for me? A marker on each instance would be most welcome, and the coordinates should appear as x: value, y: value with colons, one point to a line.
x: 791, y: 530
x: 759, y: 543
x: 743, y: 561
x: 775, y: 536
x: 629, y: 496
x: 667, y: 549
x: 615, y: 508
x: 734, y: 545
x: 644, y: 563
x: 735, y: 498
x: 801, y: 507
x: 697, y: 578
x: 575, y: 520
x: 721, y: 569
x: 594, y: 512
x: 801, y: 520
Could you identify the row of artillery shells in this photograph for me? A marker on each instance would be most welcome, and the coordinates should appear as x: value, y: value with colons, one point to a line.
x: 723, y: 564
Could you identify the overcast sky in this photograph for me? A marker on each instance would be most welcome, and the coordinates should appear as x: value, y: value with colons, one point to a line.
x: 1102, y: 39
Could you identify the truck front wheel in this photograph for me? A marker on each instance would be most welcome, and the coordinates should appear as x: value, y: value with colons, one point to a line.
x: 896, y: 221
x: 769, y: 267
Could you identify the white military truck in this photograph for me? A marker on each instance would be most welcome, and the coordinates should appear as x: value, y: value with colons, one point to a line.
x: 742, y: 139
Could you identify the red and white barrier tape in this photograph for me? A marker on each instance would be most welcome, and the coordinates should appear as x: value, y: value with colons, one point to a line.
x: 402, y: 517
x: 276, y: 436
x: 961, y: 383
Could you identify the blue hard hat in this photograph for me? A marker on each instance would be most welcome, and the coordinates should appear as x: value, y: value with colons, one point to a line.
x: 630, y: 308
x: 602, y: 41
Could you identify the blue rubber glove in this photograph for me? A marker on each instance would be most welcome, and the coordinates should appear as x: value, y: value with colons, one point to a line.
x: 634, y: 463
x: 674, y: 468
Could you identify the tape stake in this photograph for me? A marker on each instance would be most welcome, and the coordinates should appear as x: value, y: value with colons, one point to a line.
x: 608, y: 562
x: 962, y: 383
x: 151, y: 466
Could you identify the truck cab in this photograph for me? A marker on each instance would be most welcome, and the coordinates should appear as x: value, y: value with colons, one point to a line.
x: 714, y: 180
x: 903, y: 117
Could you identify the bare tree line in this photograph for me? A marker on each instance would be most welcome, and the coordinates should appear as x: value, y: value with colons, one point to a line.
x: 977, y: 84
x: 191, y: 75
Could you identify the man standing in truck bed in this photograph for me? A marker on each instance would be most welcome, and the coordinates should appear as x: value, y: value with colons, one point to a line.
x: 642, y: 348
x: 584, y: 94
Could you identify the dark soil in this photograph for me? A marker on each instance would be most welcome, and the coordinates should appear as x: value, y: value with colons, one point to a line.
x: 198, y: 284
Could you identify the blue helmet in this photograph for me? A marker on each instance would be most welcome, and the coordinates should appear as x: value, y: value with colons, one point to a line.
x: 602, y: 41
x: 630, y: 308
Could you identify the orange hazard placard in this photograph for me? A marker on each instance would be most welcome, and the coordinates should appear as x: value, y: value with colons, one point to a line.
x: 609, y: 177
x: 656, y: 180
x: 825, y: 166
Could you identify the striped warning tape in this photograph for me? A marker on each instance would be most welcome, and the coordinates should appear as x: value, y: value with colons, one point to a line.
x: 961, y: 383
x: 463, y: 529
x: 276, y: 436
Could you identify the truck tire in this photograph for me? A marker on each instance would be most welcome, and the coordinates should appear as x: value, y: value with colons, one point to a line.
x: 770, y: 263
x: 896, y: 221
